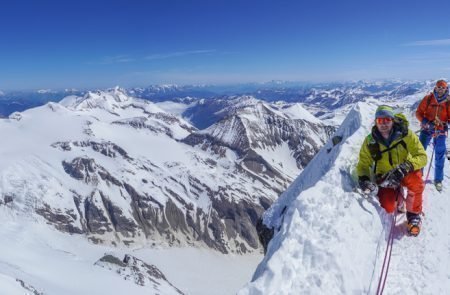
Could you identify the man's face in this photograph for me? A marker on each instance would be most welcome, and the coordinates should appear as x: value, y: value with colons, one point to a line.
x: 440, y: 90
x: 384, y: 125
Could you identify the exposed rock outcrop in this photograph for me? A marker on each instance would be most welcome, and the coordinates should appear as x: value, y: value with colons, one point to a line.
x: 133, y: 269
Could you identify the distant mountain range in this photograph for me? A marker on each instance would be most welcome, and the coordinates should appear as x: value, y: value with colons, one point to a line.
x: 329, y: 95
x: 18, y: 101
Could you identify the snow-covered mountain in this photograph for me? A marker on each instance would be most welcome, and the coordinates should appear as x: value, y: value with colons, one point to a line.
x: 265, y: 140
x: 201, y: 102
x: 328, y: 239
x: 120, y: 171
x: 113, y: 168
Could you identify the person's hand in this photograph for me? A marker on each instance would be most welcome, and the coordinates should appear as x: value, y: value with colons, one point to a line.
x: 427, y: 124
x: 394, y: 177
x: 438, y: 122
x: 367, y: 187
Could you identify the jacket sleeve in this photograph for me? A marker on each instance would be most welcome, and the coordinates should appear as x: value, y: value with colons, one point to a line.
x: 365, y: 161
x: 421, y: 108
x: 417, y: 155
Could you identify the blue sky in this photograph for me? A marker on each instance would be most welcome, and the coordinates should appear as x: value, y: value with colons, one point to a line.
x: 85, y: 44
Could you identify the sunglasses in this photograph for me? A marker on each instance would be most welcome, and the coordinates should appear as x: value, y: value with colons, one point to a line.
x: 441, y: 87
x: 383, y: 120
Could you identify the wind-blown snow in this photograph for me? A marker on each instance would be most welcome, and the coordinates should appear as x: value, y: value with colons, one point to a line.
x: 331, y: 240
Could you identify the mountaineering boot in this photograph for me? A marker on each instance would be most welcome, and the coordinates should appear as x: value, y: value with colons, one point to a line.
x: 414, y: 223
x: 438, y: 185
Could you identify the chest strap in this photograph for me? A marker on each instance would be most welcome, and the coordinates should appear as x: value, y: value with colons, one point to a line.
x: 376, y: 154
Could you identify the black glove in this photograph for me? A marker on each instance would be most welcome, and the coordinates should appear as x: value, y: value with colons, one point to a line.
x: 394, y: 177
x: 367, y: 186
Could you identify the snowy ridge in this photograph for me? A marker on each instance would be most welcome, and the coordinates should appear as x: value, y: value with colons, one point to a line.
x: 331, y: 240
x: 314, y: 172
x: 111, y: 100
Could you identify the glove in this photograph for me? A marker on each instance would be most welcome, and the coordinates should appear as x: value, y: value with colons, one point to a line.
x: 367, y: 186
x: 394, y: 177
x: 427, y: 124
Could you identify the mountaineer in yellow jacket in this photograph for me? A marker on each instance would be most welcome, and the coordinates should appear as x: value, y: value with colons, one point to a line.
x: 396, y: 156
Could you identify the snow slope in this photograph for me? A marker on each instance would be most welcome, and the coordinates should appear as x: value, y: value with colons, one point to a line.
x: 54, y: 263
x: 331, y: 240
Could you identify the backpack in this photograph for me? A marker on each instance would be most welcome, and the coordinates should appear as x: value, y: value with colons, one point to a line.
x: 401, y: 120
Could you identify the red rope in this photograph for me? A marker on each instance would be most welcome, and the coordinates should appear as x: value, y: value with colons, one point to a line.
x: 389, y: 246
x: 387, y: 256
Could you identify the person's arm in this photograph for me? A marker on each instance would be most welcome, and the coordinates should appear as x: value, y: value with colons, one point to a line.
x: 421, y: 109
x: 365, y: 160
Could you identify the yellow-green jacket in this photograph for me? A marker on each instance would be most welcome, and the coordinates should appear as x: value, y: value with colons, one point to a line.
x: 410, y: 150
